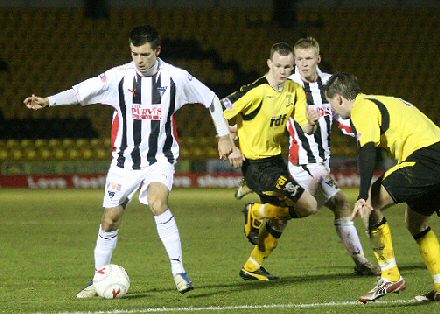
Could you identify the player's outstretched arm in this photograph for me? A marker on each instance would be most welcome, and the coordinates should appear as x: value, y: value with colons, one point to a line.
x: 35, y: 102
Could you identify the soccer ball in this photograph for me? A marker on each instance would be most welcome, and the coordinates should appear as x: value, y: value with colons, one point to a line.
x: 111, y: 281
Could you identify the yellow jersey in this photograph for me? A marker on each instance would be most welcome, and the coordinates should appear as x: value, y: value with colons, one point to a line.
x: 262, y: 113
x: 392, y: 123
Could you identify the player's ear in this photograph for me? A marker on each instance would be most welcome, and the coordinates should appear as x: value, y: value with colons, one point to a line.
x: 318, y: 59
x: 269, y: 63
x: 158, y: 50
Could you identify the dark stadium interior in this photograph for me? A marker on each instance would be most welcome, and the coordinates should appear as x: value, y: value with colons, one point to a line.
x: 46, y: 50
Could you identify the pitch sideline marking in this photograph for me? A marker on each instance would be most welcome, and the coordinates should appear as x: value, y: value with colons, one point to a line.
x: 238, y: 307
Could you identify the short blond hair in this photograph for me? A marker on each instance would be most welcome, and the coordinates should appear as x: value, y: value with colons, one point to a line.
x: 307, y: 43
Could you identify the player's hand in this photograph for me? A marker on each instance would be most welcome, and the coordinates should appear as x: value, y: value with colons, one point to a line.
x: 36, y: 103
x: 312, y: 116
x: 236, y: 158
x: 363, y: 210
x: 225, y: 146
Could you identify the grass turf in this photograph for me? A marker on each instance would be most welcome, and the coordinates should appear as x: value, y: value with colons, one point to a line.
x: 48, y: 237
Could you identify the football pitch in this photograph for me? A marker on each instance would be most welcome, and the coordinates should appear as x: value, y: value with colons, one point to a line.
x: 48, y: 237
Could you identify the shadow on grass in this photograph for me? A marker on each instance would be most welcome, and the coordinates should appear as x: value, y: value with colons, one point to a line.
x: 207, y: 290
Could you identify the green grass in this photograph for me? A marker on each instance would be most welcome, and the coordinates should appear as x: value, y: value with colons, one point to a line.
x: 48, y: 236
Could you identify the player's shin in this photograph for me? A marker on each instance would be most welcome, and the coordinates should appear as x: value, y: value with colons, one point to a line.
x: 381, y: 242
x: 348, y: 234
x: 105, y: 245
x: 430, y: 251
x: 268, y: 241
x: 170, y: 237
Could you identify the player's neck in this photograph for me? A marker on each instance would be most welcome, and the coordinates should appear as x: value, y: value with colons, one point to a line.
x: 310, y: 79
x: 275, y: 86
x: 151, y: 71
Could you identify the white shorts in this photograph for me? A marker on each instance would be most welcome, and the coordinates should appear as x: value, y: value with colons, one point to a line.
x: 121, y: 184
x: 316, y: 179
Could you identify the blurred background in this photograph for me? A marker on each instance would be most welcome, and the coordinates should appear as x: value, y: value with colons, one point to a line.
x: 49, y: 45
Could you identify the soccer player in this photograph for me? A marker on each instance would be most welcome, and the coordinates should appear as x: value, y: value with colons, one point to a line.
x: 309, y: 156
x: 145, y: 94
x: 261, y: 110
x: 414, y: 141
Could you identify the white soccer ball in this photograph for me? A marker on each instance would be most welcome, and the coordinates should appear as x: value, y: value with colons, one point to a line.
x: 111, y: 281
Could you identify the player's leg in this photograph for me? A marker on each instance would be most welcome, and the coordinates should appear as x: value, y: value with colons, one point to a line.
x: 268, y: 240
x: 417, y: 225
x: 390, y: 280
x: 242, y: 189
x: 271, y: 179
x: 345, y: 228
x: 154, y: 192
x: 118, y: 193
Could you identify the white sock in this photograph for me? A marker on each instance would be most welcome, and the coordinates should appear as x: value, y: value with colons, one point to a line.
x: 170, y: 237
x: 105, y: 245
x: 347, y: 232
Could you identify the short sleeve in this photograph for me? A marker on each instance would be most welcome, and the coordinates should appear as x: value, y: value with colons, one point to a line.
x: 245, y: 104
x: 366, y: 120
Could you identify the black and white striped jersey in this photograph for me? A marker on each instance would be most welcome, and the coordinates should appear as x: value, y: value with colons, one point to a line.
x: 143, y: 130
x: 314, y: 148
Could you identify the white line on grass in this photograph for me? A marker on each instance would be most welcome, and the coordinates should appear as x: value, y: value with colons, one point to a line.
x: 238, y: 307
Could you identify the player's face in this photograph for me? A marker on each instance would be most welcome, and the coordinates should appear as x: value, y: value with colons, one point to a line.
x: 339, y: 104
x: 144, y: 56
x: 280, y: 67
x: 307, y: 62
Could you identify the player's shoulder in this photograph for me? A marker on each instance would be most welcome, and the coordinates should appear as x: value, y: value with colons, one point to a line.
x: 324, y: 77
x: 122, y: 68
x: 292, y: 86
x: 257, y: 88
x: 118, y: 72
x: 173, y: 71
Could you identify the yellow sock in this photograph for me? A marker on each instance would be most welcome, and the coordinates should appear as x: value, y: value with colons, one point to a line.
x: 267, y: 210
x: 261, y: 252
x: 430, y: 252
x: 382, y: 244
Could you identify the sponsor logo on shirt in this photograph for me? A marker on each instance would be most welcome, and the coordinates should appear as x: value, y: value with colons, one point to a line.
x: 323, y: 111
x: 278, y: 120
x: 153, y: 112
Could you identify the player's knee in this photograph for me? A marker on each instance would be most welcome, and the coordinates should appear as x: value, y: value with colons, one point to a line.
x: 157, y: 205
x: 111, y: 219
x: 339, y: 205
x: 306, y: 205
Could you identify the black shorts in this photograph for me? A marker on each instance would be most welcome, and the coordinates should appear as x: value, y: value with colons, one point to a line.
x: 416, y: 181
x: 270, y: 179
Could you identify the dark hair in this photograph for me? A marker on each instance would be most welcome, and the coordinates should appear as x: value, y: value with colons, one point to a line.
x: 282, y: 48
x: 145, y: 34
x: 344, y: 84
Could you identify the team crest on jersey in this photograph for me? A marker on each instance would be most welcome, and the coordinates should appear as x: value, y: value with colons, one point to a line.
x: 151, y: 112
x: 162, y: 90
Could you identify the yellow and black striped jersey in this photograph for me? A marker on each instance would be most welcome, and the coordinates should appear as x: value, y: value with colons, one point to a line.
x: 392, y: 123
x: 262, y: 113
